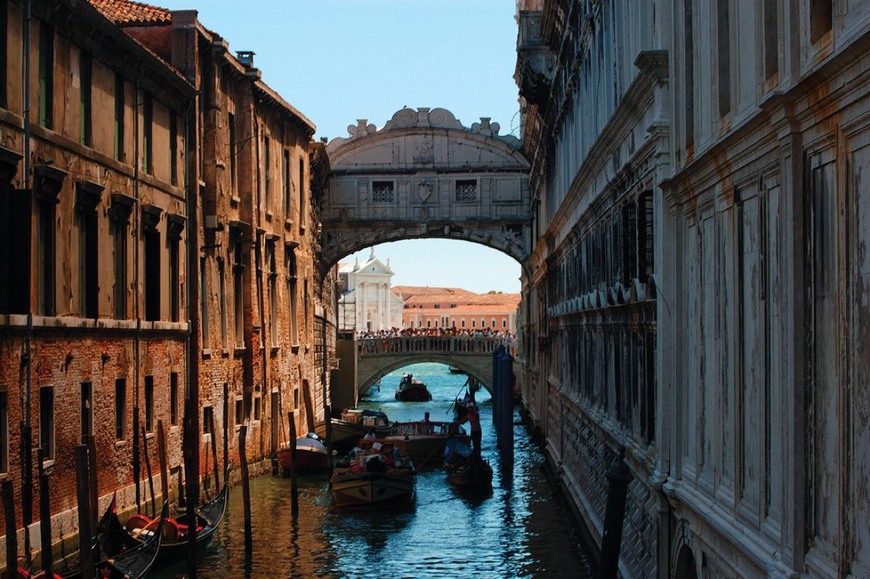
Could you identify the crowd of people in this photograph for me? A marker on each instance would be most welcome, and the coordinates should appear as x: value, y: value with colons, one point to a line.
x: 396, y: 340
x: 430, y: 332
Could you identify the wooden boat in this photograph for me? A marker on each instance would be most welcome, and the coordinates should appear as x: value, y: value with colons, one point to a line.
x: 176, y: 545
x: 121, y: 563
x: 353, y: 425
x: 423, y: 442
x: 376, y: 475
x: 311, y: 454
x: 412, y: 390
x: 464, y: 469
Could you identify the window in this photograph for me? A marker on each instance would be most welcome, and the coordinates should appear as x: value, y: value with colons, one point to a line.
x: 473, y: 323
x: 482, y: 323
x: 466, y: 190
x: 147, y: 133
x: 689, y: 60
x: 149, y: 403
x: 152, y: 274
x: 174, y: 227
x: 173, y: 398
x: 87, y: 198
x: 273, y: 293
x: 46, y: 422
x: 222, y: 289
x: 286, y: 184
x: 87, y: 411
x: 238, y: 299
x: 173, y: 148
x: 382, y: 192
x: 231, y: 127
x: 203, y: 303
x: 771, y: 38
x: 504, y: 323
x: 46, y: 74
x: 493, y: 323
x: 15, y: 210
x: 267, y: 172
x: 240, y: 411
x: 119, y: 261
x: 258, y: 404
x: 302, y: 192
x: 821, y: 18
x: 4, y: 431
x: 119, y: 117
x: 85, y: 68
x: 207, y: 419
x: 120, y: 407
x: 291, y: 290
x: 45, y: 253
x: 645, y: 235
x: 463, y: 322
x: 723, y: 53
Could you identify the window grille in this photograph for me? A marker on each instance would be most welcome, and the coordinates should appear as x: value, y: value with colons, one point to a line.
x: 466, y: 191
x: 382, y: 192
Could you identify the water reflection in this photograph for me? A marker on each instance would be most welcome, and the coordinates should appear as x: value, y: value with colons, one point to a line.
x: 514, y: 530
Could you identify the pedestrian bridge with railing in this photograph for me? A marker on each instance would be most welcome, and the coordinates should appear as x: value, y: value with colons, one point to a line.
x: 472, y: 355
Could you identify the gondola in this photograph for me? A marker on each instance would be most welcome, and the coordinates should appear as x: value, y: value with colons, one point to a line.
x: 136, y: 561
x: 464, y: 468
x: 118, y: 562
x: 176, y: 544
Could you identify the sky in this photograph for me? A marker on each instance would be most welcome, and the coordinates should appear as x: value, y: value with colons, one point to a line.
x: 337, y: 61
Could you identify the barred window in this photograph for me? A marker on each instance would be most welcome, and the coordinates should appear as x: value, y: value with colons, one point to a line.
x: 382, y: 191
x: 466, y: 190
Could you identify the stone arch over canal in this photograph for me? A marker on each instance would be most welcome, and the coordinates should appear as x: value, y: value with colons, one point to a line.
x: 425, y: 175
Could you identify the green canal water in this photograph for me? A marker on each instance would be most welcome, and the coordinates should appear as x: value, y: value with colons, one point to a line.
x: 518, y: 530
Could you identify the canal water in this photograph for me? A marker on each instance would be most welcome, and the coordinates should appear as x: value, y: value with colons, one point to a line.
x: 517, y: 530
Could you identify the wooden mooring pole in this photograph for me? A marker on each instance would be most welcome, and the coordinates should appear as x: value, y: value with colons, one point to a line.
x: 618, y: 477
x: 148, y: 471
x: 294, y: 482
x: 11, y: 530
x: 45, y: 518
x: 83, y: 495
x: 246, y: 490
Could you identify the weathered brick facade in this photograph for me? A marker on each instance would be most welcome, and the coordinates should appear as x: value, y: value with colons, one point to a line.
x: 144, y: 275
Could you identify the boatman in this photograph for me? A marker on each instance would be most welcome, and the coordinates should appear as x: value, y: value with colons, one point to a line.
x: 473, y: 417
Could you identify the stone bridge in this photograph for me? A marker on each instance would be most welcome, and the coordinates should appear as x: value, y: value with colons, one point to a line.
x: 473, y: 355
x: 425, y: 175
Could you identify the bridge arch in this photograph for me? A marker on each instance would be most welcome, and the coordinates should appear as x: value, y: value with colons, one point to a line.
x: 425, y: 175
x: 474, y: 370
x: 377, y: 357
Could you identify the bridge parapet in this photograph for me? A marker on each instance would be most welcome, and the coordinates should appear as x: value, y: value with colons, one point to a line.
x: 476, y: 345
x: 377, y: 356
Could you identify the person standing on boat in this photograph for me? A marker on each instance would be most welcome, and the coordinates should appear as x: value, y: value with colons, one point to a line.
x: 473, y: 417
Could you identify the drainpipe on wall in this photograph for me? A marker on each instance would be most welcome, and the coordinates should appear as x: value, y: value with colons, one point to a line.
x: 26, y: 429
x: 137, y: 311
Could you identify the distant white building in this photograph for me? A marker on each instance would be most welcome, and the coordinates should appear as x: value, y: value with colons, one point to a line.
x: 366, y: 301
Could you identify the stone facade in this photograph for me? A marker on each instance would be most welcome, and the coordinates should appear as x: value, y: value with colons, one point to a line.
x: 367, y: 302
x: 423, y: 174
x: 93, y: 254
x: 147, y: 279
x: 698, y: 280
x: 441, y: 307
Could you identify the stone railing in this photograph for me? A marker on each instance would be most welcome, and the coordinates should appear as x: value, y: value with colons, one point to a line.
x: 380, y: 346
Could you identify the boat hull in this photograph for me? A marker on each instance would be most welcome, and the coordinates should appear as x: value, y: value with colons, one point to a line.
x: 473, y: 475
x: 307, y: 460
x: 370, y: 488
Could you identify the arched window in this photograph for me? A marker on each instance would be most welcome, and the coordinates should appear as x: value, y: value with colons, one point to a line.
x: 473, y: 322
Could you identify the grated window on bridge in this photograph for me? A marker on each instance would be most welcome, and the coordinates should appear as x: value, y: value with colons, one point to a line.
x: 382, y: 191
x: 466, y: 190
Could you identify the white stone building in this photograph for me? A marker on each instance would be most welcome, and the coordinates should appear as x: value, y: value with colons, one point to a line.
x: 699, y: 275
x: 366, y: 301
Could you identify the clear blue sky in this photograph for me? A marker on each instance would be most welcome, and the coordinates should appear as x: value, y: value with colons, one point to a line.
x: 341, y: 60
